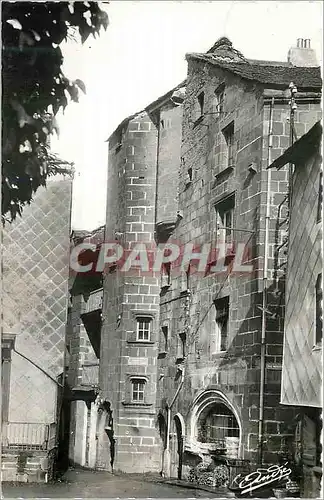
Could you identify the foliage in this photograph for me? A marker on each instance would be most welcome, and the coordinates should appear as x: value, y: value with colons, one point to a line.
x: 34, y: 89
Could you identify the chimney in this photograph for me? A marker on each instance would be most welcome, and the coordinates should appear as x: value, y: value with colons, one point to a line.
x: 302, y: 55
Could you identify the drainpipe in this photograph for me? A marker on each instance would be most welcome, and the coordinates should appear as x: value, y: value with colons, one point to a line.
x: 264, y: 289
x: 166, y: 455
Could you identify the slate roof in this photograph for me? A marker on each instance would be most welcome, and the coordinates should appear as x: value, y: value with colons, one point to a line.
x: 280, y: 76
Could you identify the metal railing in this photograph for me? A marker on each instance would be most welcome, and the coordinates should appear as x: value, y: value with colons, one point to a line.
x: 94, y: 301
x: 25, y: 435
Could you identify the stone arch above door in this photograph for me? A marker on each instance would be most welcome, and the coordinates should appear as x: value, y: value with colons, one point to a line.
x: 221, y: 417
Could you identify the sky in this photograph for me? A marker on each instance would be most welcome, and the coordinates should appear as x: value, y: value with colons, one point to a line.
x: 142, y: 55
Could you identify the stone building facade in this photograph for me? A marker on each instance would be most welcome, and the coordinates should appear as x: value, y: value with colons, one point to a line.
x: 219, y: 377
x: 191, y: 357
x: 35, y: 284
x: 144, y: 155
x: 302, y: 370
x: 81, y: 416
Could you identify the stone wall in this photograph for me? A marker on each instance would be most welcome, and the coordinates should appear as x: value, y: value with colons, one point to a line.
x: 235, y: 373
x: 130, y: 212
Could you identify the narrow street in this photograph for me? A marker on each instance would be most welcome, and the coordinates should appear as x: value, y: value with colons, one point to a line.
x: 94, y: 484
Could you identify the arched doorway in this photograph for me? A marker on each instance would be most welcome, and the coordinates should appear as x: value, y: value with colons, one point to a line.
x: 163, y: 436
x: 215, y: 426
x: 180, y: 434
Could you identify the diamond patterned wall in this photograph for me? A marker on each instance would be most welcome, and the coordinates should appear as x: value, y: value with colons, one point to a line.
x: 302, y: 361
x: 35, y: 278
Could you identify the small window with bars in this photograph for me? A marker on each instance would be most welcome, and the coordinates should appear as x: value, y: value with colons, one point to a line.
x: 222, y: 322
x: 138, y: 390
x: 144, y: 328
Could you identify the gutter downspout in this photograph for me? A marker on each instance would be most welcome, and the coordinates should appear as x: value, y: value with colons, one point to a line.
x: 166, y: 456
x: 264, y: 290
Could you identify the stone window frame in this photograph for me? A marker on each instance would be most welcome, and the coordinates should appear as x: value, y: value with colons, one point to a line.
x: 220, y: 314
x: 147, y: 401
x: 143, y: 328
x: 164, y: 339
x: 228, y: 133
x: 139, y: 388
x: 225, y: 205
x: 132, y: 337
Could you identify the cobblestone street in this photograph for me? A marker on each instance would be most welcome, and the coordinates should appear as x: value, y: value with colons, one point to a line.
x: 90, y: 484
